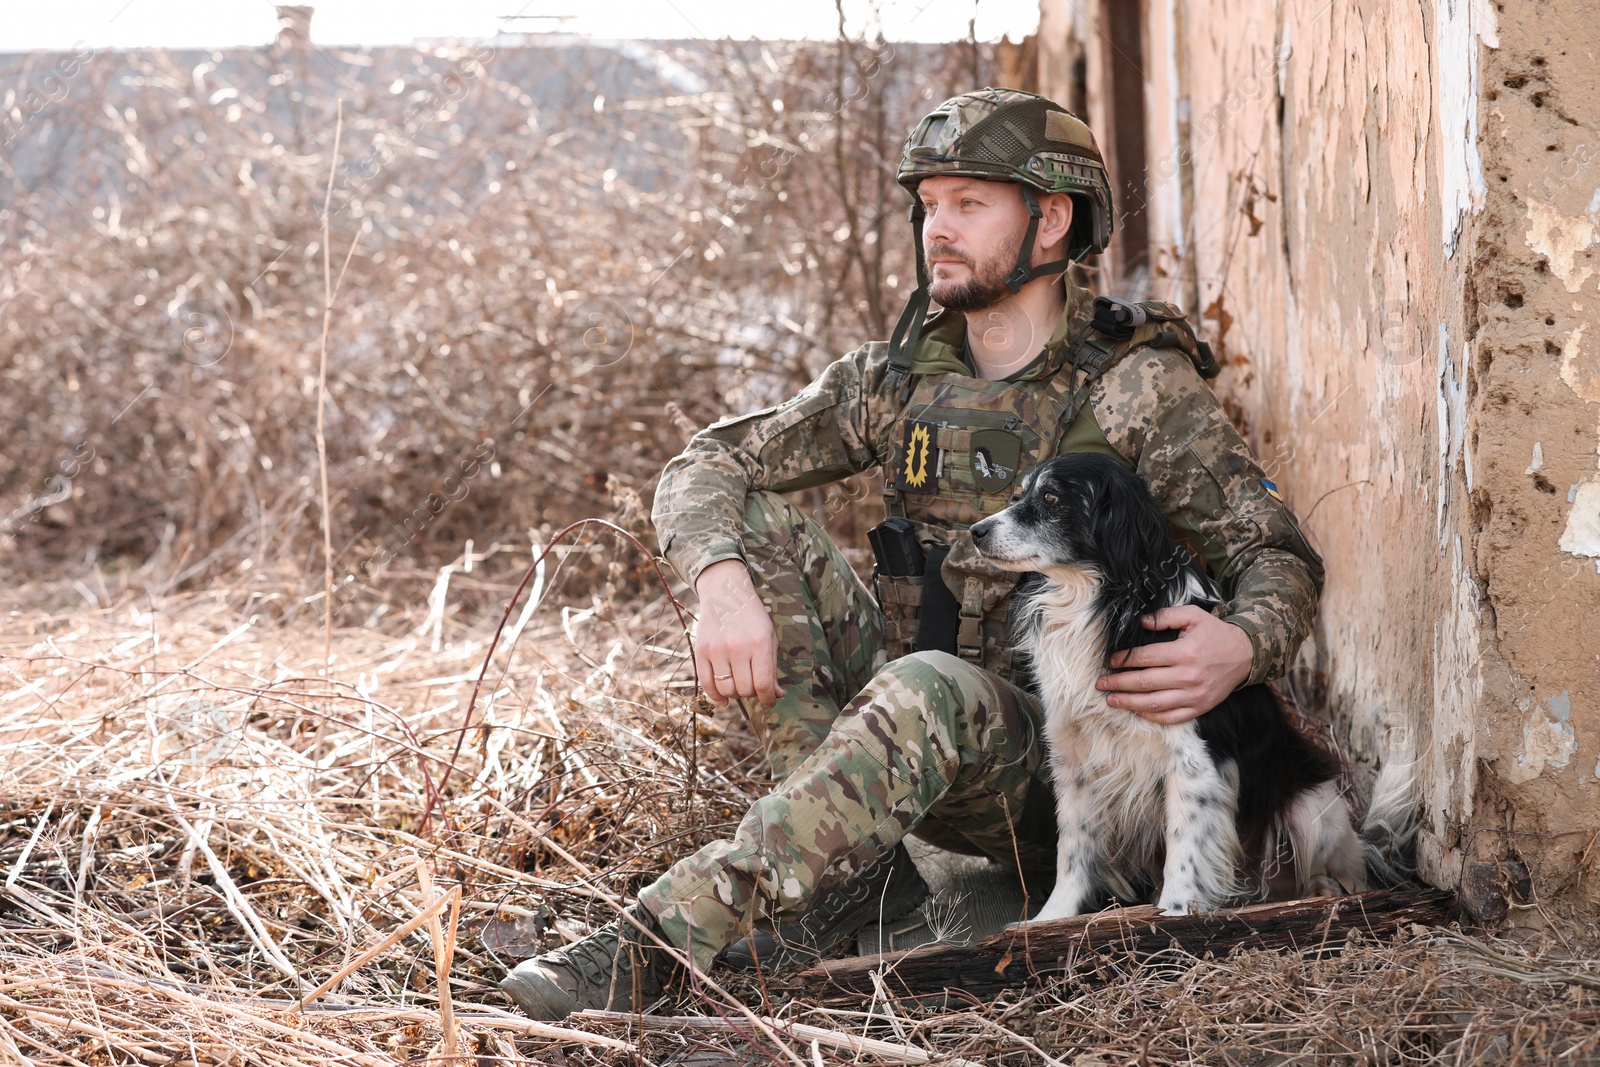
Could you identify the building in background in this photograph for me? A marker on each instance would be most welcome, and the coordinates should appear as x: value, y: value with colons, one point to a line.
x: 1387, y: 218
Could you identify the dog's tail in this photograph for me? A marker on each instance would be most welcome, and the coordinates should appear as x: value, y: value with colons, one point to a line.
x: 1389, y: 831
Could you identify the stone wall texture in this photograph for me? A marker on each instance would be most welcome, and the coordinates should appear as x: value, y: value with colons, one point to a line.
x: 1387, y: 216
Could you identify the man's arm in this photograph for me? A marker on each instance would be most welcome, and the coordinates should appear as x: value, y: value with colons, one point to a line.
x: 823, y: 434
x: 1158, y: 412
x: 820, y: 435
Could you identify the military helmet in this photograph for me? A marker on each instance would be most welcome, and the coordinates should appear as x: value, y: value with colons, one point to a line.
x: 1006, y: 135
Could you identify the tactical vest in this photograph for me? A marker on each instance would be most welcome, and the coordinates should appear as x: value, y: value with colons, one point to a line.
x: 960, y: 448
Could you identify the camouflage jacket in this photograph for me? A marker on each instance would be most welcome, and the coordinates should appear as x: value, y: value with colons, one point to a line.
x: 1151, y: 410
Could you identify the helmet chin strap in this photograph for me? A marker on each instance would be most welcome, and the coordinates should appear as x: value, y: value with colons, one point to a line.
x: 908, y: 330
x: 1023, y: 273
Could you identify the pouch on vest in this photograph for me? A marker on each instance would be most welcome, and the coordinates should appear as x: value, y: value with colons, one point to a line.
x: 897, y: 580
x: 895, y: 548
x: 900, y: 598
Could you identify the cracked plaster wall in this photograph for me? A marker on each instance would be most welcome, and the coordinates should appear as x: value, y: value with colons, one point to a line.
x: 1389, y: 217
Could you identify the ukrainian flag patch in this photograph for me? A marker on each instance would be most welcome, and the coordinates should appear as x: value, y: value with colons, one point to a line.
x: 1272, y: 490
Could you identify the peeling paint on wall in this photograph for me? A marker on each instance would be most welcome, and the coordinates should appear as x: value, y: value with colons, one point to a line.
x: 1582, y: 535
x: 1582, y: 376
x: 1561, y: 240
x: 1452, y: 400
x: 1457, y: 690
x: 1460, y: 23
x: 1548, y: 740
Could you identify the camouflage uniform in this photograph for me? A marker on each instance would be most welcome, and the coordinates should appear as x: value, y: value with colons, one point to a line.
x: 866, y: 751
x: 863, y: 750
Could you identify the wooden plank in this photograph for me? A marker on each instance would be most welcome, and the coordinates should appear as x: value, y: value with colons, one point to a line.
x: 1018, y: 956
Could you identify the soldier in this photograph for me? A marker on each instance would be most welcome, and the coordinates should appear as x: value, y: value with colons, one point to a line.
x: 905, y: 713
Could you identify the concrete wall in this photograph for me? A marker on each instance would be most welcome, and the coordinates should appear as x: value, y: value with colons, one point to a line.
x: 1386, y: 215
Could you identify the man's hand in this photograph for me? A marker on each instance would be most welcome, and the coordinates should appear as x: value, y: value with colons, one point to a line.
x: 1180, y: 680
x: 735, y: 650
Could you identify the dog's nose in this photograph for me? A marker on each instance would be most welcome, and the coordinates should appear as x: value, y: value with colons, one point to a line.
x: 980, y: 530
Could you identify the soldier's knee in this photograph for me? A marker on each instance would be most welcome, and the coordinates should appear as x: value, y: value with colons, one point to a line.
x: 931, y: 679
x: 947, y: 685
x: 930, y: 671
x: 937, y: 668
x: 918, y: 697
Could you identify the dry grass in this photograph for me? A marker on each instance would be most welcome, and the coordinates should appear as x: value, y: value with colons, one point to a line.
x: 200, y: 830
x: 191, y: 810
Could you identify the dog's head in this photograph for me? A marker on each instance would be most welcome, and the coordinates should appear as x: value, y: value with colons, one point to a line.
x: 1078, y: 511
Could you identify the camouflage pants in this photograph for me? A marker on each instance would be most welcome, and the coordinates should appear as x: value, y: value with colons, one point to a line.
x: 864, y: 752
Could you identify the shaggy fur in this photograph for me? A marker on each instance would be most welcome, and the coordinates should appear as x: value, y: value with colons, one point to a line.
x: 1194, y: 816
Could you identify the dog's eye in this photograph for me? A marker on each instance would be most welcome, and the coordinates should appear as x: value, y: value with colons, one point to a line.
x: 1051, y: 499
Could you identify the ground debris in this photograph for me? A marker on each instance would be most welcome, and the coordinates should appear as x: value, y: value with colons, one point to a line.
x: 197, y: 829
x: 1080, y: 946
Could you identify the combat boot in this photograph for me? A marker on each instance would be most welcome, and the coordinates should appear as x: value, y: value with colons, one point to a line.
x: 886, y: 890
x: 616, y: 968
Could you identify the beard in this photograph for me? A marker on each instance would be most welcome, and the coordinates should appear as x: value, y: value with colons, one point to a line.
x: 987, y: 285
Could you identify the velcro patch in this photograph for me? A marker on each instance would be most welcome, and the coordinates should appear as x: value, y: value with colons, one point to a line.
x: 995, y: 457
x: 1060, y: 126
x: 916, y: 473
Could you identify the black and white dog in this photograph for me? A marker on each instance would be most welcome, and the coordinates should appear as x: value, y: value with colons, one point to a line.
x: 1198, y: 815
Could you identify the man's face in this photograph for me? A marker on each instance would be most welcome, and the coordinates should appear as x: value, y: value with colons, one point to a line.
x: 971, y: 236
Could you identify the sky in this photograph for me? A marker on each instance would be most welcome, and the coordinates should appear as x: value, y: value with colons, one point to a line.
x: 27, y: 25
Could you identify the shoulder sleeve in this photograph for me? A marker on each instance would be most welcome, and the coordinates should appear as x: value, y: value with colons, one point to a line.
x: 822, y: 434
x: 1157, y: 411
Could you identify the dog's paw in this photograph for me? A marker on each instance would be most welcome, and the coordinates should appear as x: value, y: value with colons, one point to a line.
x: 1064, y: 902
x: 1325, y: 886
x: 1179, y: 907
x: 1047, y: 913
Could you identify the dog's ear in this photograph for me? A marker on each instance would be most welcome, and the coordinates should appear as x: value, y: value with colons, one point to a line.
x: 1129, y: 529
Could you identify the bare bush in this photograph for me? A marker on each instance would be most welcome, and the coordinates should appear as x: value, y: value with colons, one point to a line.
x: 565, y: 259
